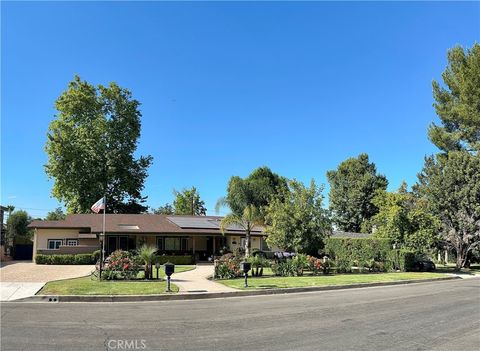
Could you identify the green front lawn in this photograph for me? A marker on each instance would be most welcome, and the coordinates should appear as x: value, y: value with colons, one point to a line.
x: 325, y: 280
x: 89, y: 286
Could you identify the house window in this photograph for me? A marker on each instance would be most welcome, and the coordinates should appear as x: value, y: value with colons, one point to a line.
x: 160, y: 245
x: 54, y: 244
x: 172, y: 244
x: 264, y: 246
x: 72, y: 242
x: 183, y: 244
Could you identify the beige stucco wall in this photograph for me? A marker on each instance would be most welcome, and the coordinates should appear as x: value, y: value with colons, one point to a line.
x: 234, y: 242
x: 41, y: 237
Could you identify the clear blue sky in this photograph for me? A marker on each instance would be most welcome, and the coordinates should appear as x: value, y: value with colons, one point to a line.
x: 227, y: 87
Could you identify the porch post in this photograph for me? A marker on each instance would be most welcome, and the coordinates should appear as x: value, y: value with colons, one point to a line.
x: 193, y: 245
x: 214, y: 239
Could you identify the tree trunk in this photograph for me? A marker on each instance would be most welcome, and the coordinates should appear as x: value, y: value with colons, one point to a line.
x: 461, y: 257
x: 247, y: 244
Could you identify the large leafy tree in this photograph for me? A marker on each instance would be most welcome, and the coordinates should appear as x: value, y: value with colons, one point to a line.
x: 257, y: 190
x: 17, y: 225
x: 250, y: 218
x: 298, y: 221
x: 91, y: 145
x: 457, y: 102
x: 166, y: 209
x: 405, y: 219
x: 352, y: 188
x: 55, y: 215
x: 188, y: 202
x: 451, y: 185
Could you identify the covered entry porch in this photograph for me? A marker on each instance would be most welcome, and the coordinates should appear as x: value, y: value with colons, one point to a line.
x: 201, y: 247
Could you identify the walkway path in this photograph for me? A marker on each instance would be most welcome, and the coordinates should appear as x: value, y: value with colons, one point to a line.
x: 196, y: 281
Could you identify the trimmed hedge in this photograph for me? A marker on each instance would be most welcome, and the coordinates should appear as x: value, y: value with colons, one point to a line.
x: 188, y: 259
x: 406, y: 260
x: 358, y: 250
x: 65, y: 259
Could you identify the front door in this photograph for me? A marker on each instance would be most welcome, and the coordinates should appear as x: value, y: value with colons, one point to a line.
x: 209, y: 246
x: 111, y: 244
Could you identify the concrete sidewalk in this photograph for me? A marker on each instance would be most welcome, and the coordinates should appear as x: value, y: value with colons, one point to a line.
x: 10, y: 291
x: 196, y: 281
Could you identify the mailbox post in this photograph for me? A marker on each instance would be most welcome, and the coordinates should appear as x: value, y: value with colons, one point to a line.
x: 245, y: 267
x: 169, y: 270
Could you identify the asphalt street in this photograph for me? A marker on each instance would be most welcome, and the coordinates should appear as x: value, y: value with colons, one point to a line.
x: 427, y: 316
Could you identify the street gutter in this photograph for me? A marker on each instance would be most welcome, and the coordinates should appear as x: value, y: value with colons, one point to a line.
x: 207, y: 295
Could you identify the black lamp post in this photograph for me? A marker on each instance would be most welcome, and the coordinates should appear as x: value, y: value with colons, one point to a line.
x: 245, y: 267
x: 169, y: 270
x: 157, y: 266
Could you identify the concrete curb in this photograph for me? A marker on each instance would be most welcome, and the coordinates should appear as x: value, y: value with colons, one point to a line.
x: 198, y: 296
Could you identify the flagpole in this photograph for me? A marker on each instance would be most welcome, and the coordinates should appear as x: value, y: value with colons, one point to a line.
x: 103, y: 241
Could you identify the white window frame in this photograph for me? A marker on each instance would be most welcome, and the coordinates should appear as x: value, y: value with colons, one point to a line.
x: 72, y: 242
x: 55, y: 241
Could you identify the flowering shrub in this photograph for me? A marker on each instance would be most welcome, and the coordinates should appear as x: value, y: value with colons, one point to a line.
x: 227, y: 267
x: 120, y: 265
x: 315, y: 265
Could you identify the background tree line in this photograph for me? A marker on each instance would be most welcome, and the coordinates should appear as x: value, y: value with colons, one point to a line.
x: 92, y: 140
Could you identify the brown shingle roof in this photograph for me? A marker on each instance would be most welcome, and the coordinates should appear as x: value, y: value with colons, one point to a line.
x: 127, y: 223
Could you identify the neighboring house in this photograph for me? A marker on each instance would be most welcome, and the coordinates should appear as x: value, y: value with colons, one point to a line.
x: 199, y: 236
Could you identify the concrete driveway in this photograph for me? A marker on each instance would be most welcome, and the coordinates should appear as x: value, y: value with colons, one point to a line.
x: 21, y: 279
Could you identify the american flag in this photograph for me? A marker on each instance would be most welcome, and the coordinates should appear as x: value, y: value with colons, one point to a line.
x: 99, y: 205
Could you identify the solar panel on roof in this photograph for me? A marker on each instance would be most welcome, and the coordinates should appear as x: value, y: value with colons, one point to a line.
x: 195, y: 222
x: 200, y: 223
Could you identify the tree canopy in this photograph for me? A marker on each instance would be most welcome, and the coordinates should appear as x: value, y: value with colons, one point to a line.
x: 405, y: 220
x: 91, y: 145
x: 166, y: 209
x: 457, y: 103
x: 352, y: 187
x: 257, y: 190
x: 451, y: 185
x: 55, y: 215
x: 298, y: 221
x: 17, y: 225
x: 188, y: 202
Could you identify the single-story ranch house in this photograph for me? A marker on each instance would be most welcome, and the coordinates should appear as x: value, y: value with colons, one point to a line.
x: 199, y: 236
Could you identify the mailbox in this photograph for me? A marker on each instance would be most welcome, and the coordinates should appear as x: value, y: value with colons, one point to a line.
x: 169, y: 269
x: 245, y: 267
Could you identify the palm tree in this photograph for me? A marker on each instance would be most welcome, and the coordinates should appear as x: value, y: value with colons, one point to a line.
x: 250, y: 219
x: 147, y: 254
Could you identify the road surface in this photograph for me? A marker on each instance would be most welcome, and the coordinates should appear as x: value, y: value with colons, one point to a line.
x: 427, y: 316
